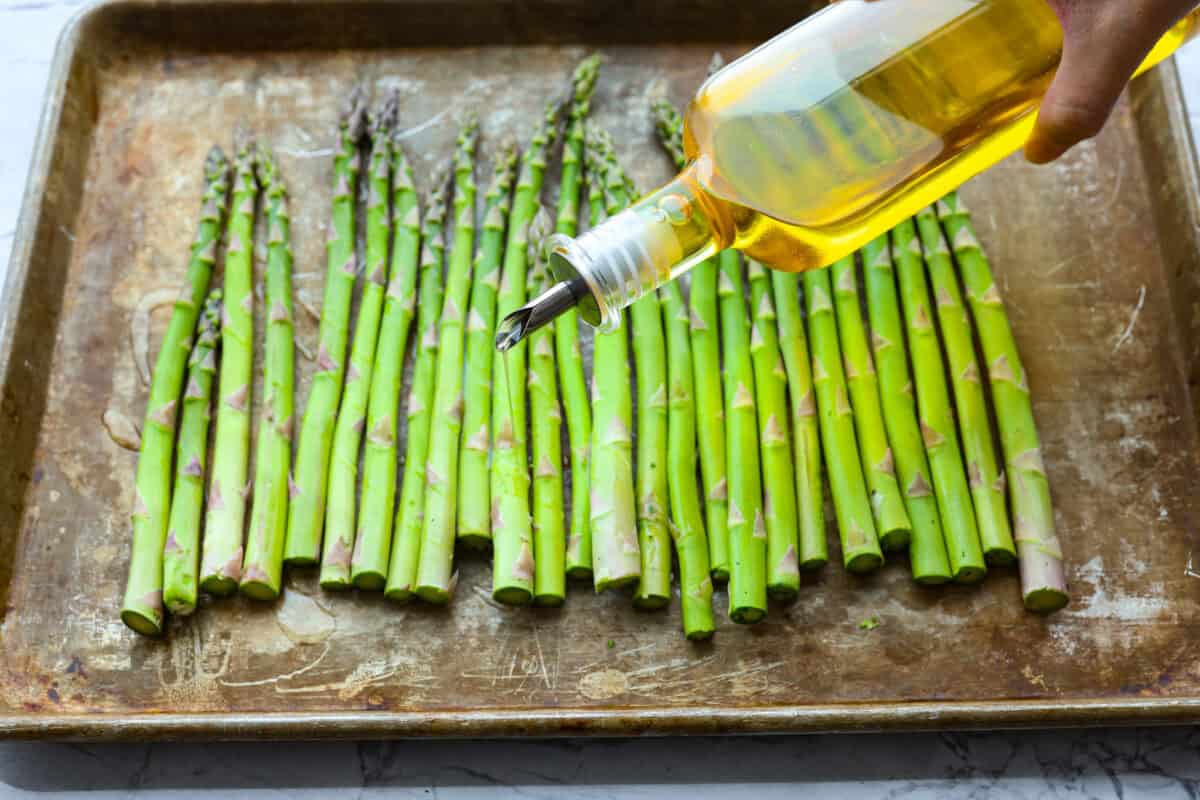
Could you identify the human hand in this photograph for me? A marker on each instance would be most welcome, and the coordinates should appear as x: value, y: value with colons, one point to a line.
x: 1104, y: 41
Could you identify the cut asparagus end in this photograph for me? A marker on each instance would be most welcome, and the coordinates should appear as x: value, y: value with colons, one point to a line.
x: 895, y: 540
x: 970, y: 574
x: 618, y: 583
x: 750, y: 615
x: 999, y: 557
x: 146, y: 621
x: 864, y: 562
x: 650, y: 602
x: 437, y: 595
x: 475, y: 540
x: 511, y: 596
x: 370, y: 580
x: 579, y: 573
x: 336, y: 582
x: 813, y: 564
x: 548, y: 600
x: 400, y: 595
x: 219, y: 585
x: 1045, y: 600
x: 258, y: 590
x: 782, y: 591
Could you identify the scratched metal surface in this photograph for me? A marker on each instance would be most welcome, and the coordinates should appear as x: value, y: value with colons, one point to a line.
x: 1096, y: 257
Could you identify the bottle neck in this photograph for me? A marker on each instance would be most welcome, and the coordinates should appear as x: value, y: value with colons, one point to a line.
x: 655, y: 240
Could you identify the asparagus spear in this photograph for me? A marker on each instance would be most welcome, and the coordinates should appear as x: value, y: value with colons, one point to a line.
x: 987, y: 485
x: 805, y: 437
x: 706, y: 356
x: 927, y: 550
x: 566, y: 329
x: 347, y: 434
x: 686, y: 522
x: 372, y: 550
x: 406, y: 541
x: 474, y: 508
x: 142, y: 606
x: 747, y: 528
x: 306, y: 511
x: 512, y: 534
x: 933, y: 406
x: 435, y: 582
x: 221, y: 563
x: 181, y: 553
x: 263, y: 568
x: 1043, y: 583
x: 891, y: 519
x: 779, y: 473
x: 856, y: 526
x: 549, y: 536
x: 649, y: 355
x: 616, y: 556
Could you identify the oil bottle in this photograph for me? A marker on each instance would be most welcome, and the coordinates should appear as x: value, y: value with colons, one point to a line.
x: 821, y: 139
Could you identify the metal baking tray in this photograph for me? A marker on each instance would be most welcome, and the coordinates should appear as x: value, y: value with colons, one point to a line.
x: 1097, y: 257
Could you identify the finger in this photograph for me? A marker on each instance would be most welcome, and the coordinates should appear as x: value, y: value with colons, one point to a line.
x: 1094, y: 69
x: 1103, y: 43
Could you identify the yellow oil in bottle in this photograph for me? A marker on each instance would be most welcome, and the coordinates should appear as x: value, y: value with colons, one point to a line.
x: 831, y: 133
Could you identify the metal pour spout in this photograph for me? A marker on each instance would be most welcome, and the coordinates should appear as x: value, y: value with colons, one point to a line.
x: 540, y: 311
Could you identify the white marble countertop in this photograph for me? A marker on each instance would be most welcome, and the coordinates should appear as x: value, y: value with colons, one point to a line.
x: 1125, y: 764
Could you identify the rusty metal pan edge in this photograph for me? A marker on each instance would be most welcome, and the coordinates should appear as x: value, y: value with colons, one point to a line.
x: 32, y: 201
x: 861, y: 718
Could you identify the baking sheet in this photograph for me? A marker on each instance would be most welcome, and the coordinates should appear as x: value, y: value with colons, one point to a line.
x: 1096, y: 256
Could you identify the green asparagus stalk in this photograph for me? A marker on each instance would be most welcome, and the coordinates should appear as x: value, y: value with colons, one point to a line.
x: 778, y: 470
x: 549, y: 534
x: 372, y: 549
x: 706, y: 356
x: 616, y: 555
x: 686, y: 521
x: 474, y: 506
x: 512, y: 531
x: 262, y: 571
x: 221, y: 562
x: 747, y: 527
x: 340, y: 512
x: 650, y: 362
x: 435, y: 582
x: 1043, y: 583
x: 927, y: 550
x: 142, y: 609
x: 181, y: 553
x: 649, y: 355
x: 306, y: 511
x: 856, y: 525
x: 879, y: 469
x: 410, y: 512
x: 572, y: 381
x: 805, y: 436
x: 936, y: 416
x: 987, y: 485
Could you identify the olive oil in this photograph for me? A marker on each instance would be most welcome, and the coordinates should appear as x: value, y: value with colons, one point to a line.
x: 826, y: 136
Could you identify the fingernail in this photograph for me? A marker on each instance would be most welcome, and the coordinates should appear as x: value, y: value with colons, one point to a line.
x: 1040, y: 149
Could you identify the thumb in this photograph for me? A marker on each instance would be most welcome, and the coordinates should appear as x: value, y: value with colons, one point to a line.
x: 1097, y: 61
x: 1104, y: 41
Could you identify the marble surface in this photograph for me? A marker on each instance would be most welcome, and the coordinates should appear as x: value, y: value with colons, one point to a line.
x: 1124, y: 764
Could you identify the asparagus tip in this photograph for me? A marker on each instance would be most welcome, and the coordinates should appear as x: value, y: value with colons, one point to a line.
x: 215, y: 163
x: 354, y: 116
x: 384, y: 118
